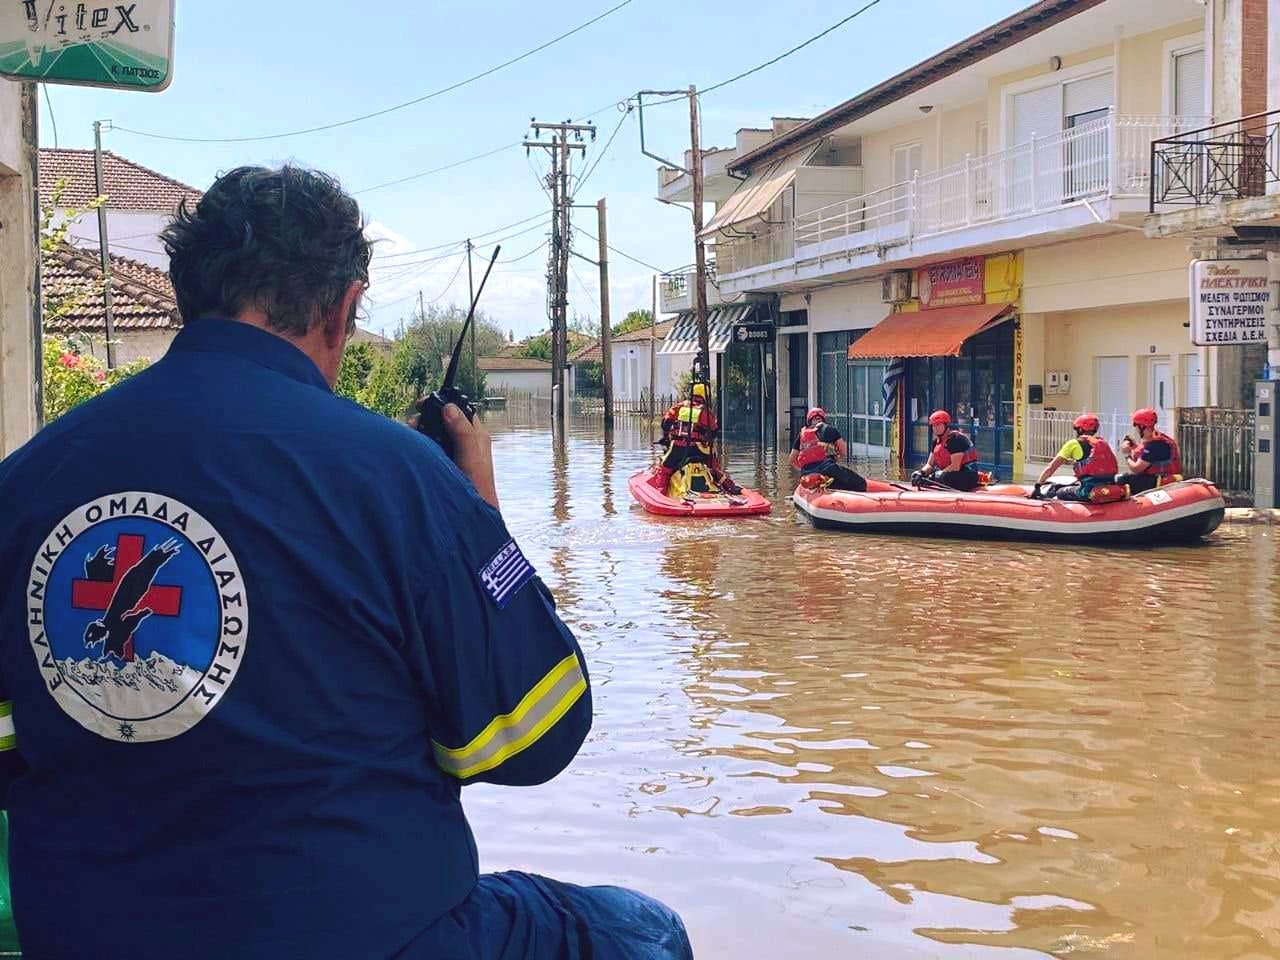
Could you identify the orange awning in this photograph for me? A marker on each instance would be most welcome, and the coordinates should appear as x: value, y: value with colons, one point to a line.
x: 928, y: 333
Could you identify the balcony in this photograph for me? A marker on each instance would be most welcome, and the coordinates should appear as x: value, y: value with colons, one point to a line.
x: 1222, y: 180
x: 676, y: 288
x: 1073, y: 180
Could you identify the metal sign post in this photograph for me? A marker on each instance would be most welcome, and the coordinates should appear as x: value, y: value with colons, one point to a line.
x: 125, y: 46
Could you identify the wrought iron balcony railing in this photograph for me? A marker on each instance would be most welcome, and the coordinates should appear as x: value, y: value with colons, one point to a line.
x: 1227, y: 161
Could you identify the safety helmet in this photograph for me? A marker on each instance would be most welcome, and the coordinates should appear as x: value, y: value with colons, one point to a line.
x: 939, y: 417
x: 700, y: 390
x: 1086, y: 422
x: 815, y: 413
x: 1144, y: 419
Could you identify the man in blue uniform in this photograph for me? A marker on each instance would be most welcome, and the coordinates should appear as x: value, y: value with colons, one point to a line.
x: 254, y: 640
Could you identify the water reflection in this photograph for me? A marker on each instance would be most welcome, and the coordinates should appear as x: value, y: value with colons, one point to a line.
x: 827, y: 743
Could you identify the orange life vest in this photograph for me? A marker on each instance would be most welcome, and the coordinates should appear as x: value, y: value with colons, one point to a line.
x: 1099, y: 459
x: 692, y: 424
x: 812, y: 450
x: 1166, y: 468
x: 942, y: 456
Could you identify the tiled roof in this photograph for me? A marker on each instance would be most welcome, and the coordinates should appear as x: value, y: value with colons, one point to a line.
x: 491, y: 364
x: 592, y: 353
x: 141, y: 296
x: 128, y: 185
x: 375, y: 340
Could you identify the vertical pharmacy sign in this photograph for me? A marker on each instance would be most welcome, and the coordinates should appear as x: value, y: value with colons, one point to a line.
x: 125, y: 45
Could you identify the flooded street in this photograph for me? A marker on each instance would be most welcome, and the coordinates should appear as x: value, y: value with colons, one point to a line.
x: 820, y: 744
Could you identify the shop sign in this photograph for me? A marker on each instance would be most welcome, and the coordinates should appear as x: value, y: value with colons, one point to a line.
x: 953, y: 283
x: 1229, y: 302
x: 126, y: 46
x: 753, y: 332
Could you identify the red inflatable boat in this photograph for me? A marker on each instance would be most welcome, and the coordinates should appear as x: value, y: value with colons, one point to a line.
x: 685, y: 499
x: 1179, y: 512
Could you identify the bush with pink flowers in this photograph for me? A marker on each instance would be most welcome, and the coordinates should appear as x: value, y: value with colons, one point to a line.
x: 72, y: 377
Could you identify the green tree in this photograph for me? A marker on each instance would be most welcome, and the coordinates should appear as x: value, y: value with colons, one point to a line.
x: 71, y: 378
x: 639, y: 319
x: 353, y: 374
x: 385, y: 391
x: 422, y: 352
x: 537, y: 348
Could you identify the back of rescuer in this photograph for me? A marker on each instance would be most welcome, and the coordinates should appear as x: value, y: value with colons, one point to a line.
x: 256, y: 639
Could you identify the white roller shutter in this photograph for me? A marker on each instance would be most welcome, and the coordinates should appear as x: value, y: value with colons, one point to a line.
x: 1188, y: 84
x: 1036, y: 112
x: 1087, y: 95
x: 1113, y: 385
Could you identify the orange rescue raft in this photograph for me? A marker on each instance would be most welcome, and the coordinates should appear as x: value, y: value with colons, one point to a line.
x: 1180, y: 512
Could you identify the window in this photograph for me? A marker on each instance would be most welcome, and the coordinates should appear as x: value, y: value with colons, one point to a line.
x: 1188, y: 84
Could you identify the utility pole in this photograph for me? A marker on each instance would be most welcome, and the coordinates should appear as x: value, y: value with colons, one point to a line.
x: 653, y: 359
x: 471, y: 296
x: 560, y: 150
x: 422, y: 309
x: 700, y: 252
x: 104, y: 247
x: 606, y: 334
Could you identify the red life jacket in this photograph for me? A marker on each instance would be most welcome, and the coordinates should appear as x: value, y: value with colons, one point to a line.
x: 1166, y: 468
x: 942, y: 456
x: 812, y: 450
x: 1099, y: 459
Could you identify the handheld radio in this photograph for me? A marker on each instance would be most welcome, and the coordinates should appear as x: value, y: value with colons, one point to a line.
x: 431, y: 407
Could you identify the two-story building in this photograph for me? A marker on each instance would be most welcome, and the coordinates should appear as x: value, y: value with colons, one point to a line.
x: 968, y: 235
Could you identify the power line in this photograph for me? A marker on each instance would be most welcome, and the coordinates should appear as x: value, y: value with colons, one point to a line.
x: 448, y: 166
x: 386, y: 110
x: 458, y: 243
x: 621, y: 253
x: 446, y: 256
x: 592, y: 169
x: 525, y: 256
x: 796, y: 48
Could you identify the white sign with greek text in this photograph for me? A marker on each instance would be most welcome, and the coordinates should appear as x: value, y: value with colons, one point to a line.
x: 1229, y: 302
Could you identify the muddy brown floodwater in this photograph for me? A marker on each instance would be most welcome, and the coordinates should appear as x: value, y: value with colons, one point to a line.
x: 824, y: 744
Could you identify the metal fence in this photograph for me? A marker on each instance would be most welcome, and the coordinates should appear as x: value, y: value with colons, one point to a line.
x: 1227, y: 161
x: 588, y: 406
x: 1217, y: 444
x: 1048, y: 430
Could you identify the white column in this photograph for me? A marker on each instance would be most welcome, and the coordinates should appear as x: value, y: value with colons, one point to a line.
x: 17, y: 269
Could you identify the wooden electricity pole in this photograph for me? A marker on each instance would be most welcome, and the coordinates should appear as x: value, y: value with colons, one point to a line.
x: 606, y: 334
x: 471, y: 296
x: 700, y: 251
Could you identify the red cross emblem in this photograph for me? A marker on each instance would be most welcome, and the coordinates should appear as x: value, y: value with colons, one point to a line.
x: 165, y: 601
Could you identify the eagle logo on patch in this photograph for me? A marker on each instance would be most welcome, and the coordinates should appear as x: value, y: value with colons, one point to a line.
x: 506, y: 574
x: 137, y: 616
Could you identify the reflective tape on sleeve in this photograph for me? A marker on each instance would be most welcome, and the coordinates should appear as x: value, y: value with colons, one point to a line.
x: 7, y: 739
x: 510, y: 733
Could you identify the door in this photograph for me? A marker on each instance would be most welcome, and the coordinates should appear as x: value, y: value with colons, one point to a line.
x: 798, y: 381
x: 1193, y: 381
x: 1114, y: 397
x: 1087, y: 151
x: 1162, y: 392
x: 907, y: 160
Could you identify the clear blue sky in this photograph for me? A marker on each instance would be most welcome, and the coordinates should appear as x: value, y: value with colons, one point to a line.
x: 250, y: 68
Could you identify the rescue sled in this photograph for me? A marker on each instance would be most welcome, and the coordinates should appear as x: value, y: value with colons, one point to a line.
x: 692, y: 492
x: 1180, y: 512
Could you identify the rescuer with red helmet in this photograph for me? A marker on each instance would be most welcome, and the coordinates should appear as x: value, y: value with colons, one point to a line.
x: 954, y: 457
x: 1092, y: 461
x: 1155, y: 458
x: 818, y: 449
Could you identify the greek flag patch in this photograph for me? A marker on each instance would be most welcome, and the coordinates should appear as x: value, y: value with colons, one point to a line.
x: 506, y: 574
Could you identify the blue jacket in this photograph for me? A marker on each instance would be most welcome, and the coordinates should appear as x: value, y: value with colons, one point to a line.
x: 253, y: 641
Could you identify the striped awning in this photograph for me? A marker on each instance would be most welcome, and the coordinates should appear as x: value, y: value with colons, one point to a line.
x: 683, y: 337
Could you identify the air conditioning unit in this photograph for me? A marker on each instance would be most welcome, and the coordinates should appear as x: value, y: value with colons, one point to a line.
x: 896, y: 286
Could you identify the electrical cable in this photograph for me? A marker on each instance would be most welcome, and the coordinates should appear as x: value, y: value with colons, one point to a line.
x: 386, y: 110
x: 592, y: 169
x: 456, y: 243
x: 622, y: 254
x: 52, y: 119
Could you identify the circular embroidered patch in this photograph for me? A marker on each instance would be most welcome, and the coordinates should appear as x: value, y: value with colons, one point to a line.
x: 137, y: 615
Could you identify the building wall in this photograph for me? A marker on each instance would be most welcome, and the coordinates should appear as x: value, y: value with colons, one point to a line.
x: 18, y: 367
x: 959, y: 132
x: 537, y: 382
x: 1142, y: 333
x: 132, y: 345
x: 877, y: 151
x: 1120, y: 268
x: 133, y: 235
x: 666, y: 370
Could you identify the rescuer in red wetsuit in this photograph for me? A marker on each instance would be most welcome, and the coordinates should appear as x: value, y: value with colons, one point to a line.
x: 688, y: 430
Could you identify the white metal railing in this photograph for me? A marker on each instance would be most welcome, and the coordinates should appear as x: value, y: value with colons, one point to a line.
x: 772, y: 245
x: 1048, y: 430
x: 678, y: 283
x: 1107, y: 157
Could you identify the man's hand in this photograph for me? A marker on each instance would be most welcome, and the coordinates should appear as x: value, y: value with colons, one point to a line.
x: 473, y: 452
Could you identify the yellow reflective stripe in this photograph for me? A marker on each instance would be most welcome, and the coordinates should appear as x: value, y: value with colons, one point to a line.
x: 510, y: 733
x: 7, y: 739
